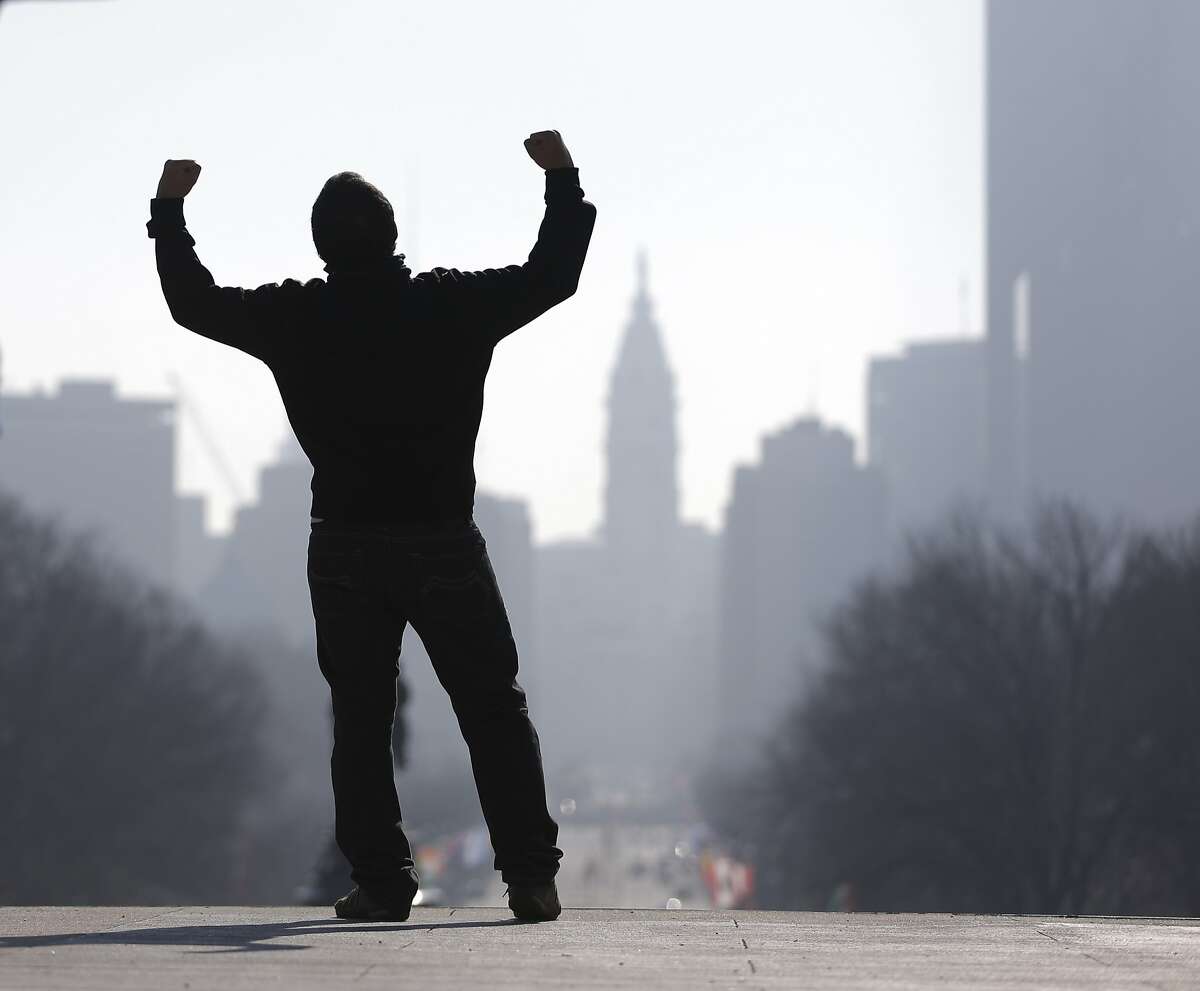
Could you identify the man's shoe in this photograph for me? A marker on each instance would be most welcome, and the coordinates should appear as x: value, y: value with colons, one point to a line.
x: 534, y: 902
x: 361, y: 906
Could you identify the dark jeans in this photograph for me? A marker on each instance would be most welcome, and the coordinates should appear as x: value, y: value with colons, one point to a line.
x: 367, y: 584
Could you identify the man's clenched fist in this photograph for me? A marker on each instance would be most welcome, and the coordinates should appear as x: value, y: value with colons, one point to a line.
x: 547, y: 149
x: 178, y: 178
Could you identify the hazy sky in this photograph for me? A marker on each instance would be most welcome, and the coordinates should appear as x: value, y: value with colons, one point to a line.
x: 806, y: 177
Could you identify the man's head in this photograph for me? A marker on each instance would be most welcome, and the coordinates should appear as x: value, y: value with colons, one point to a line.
x: 352, y: 223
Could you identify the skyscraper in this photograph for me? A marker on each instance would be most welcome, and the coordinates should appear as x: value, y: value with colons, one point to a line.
x: 802, y: 525
x: 98, y: 463
x: 641, y: 492
x: 1093, y: 223
x: 926, y: 429
x: 261, y: 581
x: 626, y: 619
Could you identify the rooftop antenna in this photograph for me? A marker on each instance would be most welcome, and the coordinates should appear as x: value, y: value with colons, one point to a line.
x: 412, y: 214
x: 812, y: 410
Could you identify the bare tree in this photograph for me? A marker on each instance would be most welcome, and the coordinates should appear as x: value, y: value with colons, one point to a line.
x: 1006, y: 725
x: 128, y: 736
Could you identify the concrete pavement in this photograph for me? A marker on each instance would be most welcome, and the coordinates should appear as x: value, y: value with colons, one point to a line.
x: 230, y: 949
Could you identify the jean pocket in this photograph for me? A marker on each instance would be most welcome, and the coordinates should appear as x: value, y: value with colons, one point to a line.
x: 333, y: 567
x: 460, y: 598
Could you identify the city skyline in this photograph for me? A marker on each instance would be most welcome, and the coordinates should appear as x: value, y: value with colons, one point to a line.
x: 641, y: 348
x: 864, y: 172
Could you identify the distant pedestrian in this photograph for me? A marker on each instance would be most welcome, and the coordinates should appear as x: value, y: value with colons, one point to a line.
x: 382, y: 374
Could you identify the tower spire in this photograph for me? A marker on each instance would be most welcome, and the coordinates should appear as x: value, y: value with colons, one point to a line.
x: 641, y: 491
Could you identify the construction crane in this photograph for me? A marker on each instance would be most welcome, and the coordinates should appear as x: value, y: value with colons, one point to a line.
x: 192, y: 409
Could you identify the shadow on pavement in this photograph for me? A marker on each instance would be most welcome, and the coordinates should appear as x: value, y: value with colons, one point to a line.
x: 235, y: 938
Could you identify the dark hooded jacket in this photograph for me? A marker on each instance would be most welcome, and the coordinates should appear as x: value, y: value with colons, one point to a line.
x: 381, y: 372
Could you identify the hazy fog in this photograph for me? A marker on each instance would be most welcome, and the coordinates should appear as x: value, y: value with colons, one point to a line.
x: 806, y: 176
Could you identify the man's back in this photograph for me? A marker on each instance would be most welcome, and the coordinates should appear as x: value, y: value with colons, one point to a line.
x: 383, y: 384
x: 382, y: 373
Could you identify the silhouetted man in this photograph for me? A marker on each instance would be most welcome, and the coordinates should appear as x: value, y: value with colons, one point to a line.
x: 382, y: 376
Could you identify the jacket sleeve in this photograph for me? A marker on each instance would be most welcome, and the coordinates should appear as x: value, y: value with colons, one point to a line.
x: 502, y: 300
x: 238, y: 317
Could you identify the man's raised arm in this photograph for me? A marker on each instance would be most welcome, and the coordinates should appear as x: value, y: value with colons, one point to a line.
x: 508, y: 298
x: 230, y: 315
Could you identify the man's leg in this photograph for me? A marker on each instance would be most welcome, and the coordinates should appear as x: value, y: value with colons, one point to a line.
x: 462, y: 621
x: 358, y: 647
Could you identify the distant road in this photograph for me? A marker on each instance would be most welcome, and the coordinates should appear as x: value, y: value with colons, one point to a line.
x: 627, y: 864
x: 302, y: 948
